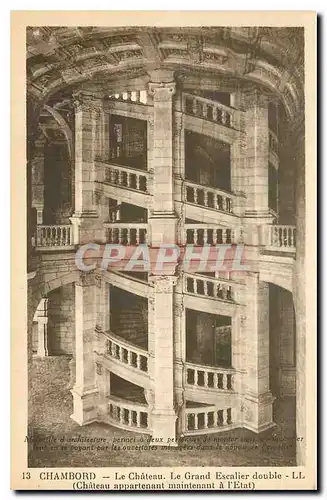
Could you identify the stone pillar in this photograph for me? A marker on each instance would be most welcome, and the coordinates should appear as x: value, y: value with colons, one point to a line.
x: 42, y: 328
x: 286, y: 343
x: 103, y: 305
x: 163, y: 414
x: 239, y: 344
x: 38, y: 179
x: 257, y: 154
x: 163, y: 220
x: 85, y: 391
x: 257, y: 396
x: 88, y: 113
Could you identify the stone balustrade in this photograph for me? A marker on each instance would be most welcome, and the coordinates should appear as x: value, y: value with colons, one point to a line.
x: 211, y: 377
x: 281, y: 237
x: 54, y: 236
x: 207, y: 417
x: 214, y: 198
x: 135, y: 96
x: 126, y: 233
x: 126, y: 177
x: 208, y: 234
x: 208, y: 110
x: 128, y: 413
x: 208, y: 287
x: 125, y: 352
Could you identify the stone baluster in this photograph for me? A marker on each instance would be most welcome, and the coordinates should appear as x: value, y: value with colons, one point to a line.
x: 196, y: 421
x: 214, y: 113
x: 194, y: 106
x: 195, y: 192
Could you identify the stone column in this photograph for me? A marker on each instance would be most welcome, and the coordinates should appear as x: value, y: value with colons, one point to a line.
x: 163, y: 414
x: 85, y: 391
x: 38, y: 179
x: 88, y: 113
x: 257, y: 396
x: 103, y: 305
x: 163, y: 220
x: 42, y: 328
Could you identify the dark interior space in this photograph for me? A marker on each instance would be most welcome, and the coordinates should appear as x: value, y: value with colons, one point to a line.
x: 207, y: 161
x: 208, y: 339
x: 57, y: 182
x: 121, y: 388
x: 128, y: 141
x: 129, y: 316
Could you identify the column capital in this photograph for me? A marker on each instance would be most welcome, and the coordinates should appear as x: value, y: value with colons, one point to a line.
x: 252, y: 97
x: 163, y: 284
x: 89, y: 278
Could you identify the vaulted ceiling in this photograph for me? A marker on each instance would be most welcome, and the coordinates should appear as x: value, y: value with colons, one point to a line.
x: 63, y: 57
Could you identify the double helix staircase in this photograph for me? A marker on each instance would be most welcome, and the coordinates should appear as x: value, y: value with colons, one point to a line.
x: 124, y: 349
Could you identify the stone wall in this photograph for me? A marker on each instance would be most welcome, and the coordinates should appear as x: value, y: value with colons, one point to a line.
x: 61, y: 325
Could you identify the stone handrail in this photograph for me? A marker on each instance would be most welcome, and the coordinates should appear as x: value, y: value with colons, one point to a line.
x: 125, y: 352
x: 128, y: 413
x: 212, y: 377
x: 207, y: 109
x: 126, y: 177
x: 209, y: 287
x: 210, y: 234
x: 126, y: 233
x: 282, y: 237
x: 207, y: 417
x: 209, y: 197
x: 54, y: 236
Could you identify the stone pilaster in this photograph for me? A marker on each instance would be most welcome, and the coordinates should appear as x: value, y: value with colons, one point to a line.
x: 257, y: 406
x: 163, y: 220
x: 88, y: 144
x: 163, y: 414
x: 85, y: 391
x: 38, y: 179
x: 42, y: 328
x: 103, y: 305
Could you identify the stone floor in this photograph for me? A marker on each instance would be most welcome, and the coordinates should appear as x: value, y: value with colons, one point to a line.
x: 57, y: 441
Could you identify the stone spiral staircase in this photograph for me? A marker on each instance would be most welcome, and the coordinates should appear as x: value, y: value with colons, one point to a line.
x: 211, y: 391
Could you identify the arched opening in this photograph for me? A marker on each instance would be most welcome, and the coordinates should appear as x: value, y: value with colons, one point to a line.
x: 282, y: 358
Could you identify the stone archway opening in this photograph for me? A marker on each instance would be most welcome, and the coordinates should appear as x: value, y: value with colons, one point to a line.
x: 282, y: 353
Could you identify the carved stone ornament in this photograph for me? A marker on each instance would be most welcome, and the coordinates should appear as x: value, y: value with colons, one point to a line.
x: 162, y: 91
x: 83, y: 101
x: 98, y: 369
x: 87, y: 278
x: 164, y: 284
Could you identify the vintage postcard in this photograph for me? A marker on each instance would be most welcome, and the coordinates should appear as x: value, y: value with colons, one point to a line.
x: 163, y: 251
